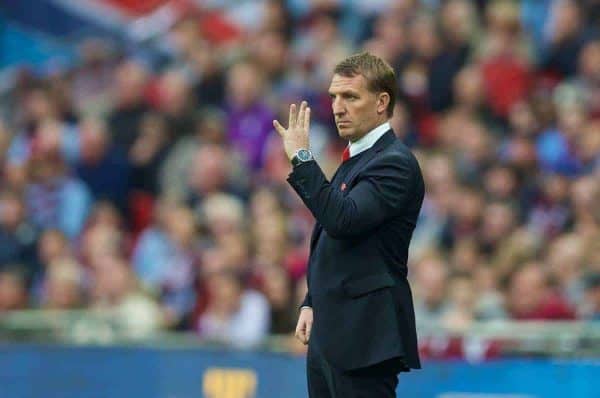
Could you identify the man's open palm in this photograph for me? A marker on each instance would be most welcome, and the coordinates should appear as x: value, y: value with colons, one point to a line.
x: 295, y: 137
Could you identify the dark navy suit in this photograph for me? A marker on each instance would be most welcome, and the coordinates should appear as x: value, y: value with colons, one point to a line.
x: 357, y: 275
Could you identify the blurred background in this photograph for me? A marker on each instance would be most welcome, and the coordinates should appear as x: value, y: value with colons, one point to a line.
x: 144, y: 207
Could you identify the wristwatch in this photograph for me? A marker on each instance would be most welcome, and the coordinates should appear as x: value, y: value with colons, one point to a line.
x: 301, y: 156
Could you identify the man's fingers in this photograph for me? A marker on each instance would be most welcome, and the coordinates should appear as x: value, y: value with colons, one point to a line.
x: 300, y: 334
x: 308, y: 329
x: 279, y: 128
x: 300, y: 120
x: 292, y: 118
x: 306, y: 123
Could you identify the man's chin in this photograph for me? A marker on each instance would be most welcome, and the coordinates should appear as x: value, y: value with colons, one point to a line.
x: 345, y: 133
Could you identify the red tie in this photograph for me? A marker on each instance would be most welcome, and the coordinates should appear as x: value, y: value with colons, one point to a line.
x: 346, y: 154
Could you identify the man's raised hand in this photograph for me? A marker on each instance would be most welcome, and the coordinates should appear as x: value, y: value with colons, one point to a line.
x: 295, y: 137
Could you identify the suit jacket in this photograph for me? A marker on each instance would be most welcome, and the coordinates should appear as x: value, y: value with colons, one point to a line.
x: 357, y: 274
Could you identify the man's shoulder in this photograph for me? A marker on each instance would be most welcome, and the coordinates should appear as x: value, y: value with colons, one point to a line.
x: 397, y: 153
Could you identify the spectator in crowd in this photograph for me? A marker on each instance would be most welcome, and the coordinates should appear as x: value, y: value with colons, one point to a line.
x: 101, y: 167
x: 63, y: 285
x: 53, y: 198
x: 18, y: 235
x: 115, y: 288
x: 129, y: 86
x: 234, y: 315
x: 249, y: 118
x: 165, y: 262
x: 13, y: 291
x: 592, y: 293
x: 530, y: 296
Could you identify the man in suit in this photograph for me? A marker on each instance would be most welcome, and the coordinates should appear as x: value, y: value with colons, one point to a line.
x: 357, y: 317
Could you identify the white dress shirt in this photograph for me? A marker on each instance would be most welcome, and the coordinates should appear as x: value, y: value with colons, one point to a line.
x: 369, y: 139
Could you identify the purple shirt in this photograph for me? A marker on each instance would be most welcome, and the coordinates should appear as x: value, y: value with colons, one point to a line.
x: 248, y: 130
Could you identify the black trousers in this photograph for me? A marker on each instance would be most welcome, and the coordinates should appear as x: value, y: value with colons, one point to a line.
x: 326, y: 381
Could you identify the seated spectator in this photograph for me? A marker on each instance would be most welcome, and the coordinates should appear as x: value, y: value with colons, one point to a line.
x: 13, y: 291
x: 102, y: 167
x: 592, y: 297
x: 54, y: 199
x: 209, y: 128
x: 530, y: 296
x: 431, y: 287
x: 164, y: 260
x: 235, y: 316
x: 249, y: 119
x: 114, y: 288
x: 63, y: 285
x: 18, y: 234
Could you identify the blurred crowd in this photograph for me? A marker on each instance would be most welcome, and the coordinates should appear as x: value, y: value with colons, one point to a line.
x: 147, y: 179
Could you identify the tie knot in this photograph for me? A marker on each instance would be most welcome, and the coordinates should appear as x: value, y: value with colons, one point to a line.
x: 346, y: 154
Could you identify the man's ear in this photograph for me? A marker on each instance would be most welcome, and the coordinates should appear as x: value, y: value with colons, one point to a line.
x: 383, y: 100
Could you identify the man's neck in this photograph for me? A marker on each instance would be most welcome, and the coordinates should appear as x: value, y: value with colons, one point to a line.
x: 368, y: 140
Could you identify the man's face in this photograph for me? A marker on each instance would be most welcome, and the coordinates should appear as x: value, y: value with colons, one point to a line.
x: 356, y: 109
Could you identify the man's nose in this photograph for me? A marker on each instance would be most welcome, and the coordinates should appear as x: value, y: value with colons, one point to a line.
x: 338, y: 108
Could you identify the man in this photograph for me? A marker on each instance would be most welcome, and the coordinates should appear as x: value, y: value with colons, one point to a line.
x: 357, y: 317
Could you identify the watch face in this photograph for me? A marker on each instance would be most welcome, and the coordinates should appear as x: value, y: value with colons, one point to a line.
x: 304, y: 155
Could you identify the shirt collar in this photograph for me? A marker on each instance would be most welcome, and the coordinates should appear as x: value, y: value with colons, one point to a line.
x: 369, y: 139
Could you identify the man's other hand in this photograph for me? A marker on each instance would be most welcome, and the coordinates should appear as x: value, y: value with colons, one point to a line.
x: 305, y: 321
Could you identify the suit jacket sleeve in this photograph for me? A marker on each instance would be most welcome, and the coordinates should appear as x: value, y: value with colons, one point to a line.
x: 382, y: 190
x: 307, y: 301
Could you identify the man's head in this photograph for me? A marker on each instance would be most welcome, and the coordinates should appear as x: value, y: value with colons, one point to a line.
x: 363, y: 94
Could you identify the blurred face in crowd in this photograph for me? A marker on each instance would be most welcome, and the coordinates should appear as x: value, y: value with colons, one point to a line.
x: 271, y: 52
x: 224, y: 214
x: 38, y: 105
x: 431, y: 281
x: 63, y: 289
x: 277, y: 287
x: 93, y: 140
x: 566, y: 19
x: 12, y: 211
x: 130, y: 83
x: 522, y: 119
x: 174, y: 92
x: 12, y: 292
x: 99, y: 242
x: 498, y: 221
x: 424, y: 38
x: 588, y: 143
x: 589, y: 61
x: 243, y: 84
x: 457, y: 19
x: 585, y: 194
x: 180, y: 226
x: 209, y: 170
x: 465, y: 256
x: 565, y: 257
x: 52, y: 245
x: 500, y: 182
x: 527, y: 289
x: 112, y: 280
x: 356, y: 109
x: 226, y: 291
x: 468, y: 87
